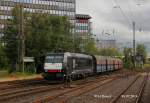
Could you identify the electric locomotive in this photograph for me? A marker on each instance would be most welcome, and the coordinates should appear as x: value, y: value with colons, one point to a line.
x: 58, y: 65
x: 75, y: 65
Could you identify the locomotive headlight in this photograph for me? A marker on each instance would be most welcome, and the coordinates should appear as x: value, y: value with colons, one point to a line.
x: 72, y: 72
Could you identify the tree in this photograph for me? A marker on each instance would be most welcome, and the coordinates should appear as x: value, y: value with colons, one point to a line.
x: 128, y: 59
x: 110, y: 52
x: 3, y: 58
x: 141, y: 50
x: 90, y: 47
x: 43, y: 33
x: 47, y: 33
x: 77, y: 43
x: 11, y: 35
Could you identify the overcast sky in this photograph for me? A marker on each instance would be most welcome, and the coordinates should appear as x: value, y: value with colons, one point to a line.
x: 106, y: 15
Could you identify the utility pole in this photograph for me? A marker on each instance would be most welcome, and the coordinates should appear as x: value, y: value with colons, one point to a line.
x: 21, y: 43
x: 19, y: 39
x: 23, y: 38
x: 134, y: 45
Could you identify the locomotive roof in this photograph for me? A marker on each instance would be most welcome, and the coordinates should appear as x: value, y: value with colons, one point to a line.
x: 105, y: 57
x: 72, y: 54
x: 54, y: 53
x: 78, y: 55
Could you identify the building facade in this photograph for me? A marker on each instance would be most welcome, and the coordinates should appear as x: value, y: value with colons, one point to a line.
x: 83, y: 29
x: 83, y: 25
x: 56, y: 7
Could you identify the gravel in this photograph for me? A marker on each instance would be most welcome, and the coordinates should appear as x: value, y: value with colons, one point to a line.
x: 105, y: 93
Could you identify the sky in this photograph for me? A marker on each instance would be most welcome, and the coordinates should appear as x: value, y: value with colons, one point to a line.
x: 118, y: 15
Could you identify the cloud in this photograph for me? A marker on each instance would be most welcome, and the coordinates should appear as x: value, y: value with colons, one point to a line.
x: 105, y: 16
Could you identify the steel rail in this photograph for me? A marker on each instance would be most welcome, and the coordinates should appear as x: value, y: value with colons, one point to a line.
x: 141, y: 91
x: 114, y: 100
x: 20, y: 93
x: 50, y: 98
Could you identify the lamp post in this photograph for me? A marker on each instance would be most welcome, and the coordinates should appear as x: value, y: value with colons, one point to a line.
x: 134, y: 45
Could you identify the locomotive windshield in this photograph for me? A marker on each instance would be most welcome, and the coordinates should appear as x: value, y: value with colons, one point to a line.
x: 54, y: 58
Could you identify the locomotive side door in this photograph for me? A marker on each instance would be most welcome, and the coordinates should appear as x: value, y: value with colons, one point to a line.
x: 74, y: 64
x: 71, y: 64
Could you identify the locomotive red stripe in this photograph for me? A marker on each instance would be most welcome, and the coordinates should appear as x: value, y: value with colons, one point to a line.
x: 54, y: 71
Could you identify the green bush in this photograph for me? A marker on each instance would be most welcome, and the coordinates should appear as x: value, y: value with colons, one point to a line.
x: 10, y: 70
x: 128, y: 65
x: 3, y: 58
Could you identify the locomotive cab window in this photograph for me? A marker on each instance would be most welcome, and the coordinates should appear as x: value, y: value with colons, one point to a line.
x: 54, y: 58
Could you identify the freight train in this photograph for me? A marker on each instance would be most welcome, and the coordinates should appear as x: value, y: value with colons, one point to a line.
x: 75, y: 65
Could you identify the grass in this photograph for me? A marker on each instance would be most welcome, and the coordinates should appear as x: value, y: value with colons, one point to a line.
x: 20, y: 74
x: 5, y: 76
x: 3, y: 73
x: 147, y: 65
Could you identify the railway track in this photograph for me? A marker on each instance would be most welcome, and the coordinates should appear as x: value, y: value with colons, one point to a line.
x: 20, y: 92
x: 141, y: 91
x: 26, y: 83
x: 7, y: 95
x: 65, y: 96
x: 22, y: 84
x: 137, y: 97
x: 24, y: 92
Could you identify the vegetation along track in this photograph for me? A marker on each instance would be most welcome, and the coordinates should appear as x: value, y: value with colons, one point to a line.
x: 20, y: 81
x: 139, y: 94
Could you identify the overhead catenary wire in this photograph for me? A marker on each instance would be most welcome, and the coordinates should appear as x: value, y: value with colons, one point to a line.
x: 132, y: 23
x: 132, y: 18
x: 140, y: 16
x: 123, y: 13
x: 138, y: 23
x: 131, y: 11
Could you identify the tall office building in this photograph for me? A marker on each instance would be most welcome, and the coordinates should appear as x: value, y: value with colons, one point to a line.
x: 56, y: 7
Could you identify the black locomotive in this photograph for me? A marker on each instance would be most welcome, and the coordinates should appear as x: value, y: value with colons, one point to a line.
x: 59, y: 65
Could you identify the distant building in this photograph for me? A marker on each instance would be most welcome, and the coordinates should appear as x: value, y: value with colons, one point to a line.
x: 56, y: 7
x: 83, y: 25
x: 83, y: 28
x: 104, y: 44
